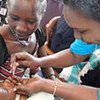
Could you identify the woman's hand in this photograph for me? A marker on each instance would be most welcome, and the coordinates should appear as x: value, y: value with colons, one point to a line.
x: 28, y: 86
x: 25, y: 59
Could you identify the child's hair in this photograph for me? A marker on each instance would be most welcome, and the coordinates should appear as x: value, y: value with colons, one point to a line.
x: 90, y: 8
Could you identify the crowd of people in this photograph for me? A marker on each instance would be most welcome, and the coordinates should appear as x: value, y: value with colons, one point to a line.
x: 22, y: 33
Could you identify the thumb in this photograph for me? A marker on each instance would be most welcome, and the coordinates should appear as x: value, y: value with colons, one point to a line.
x: 21, y: 90
x: 25, y: 63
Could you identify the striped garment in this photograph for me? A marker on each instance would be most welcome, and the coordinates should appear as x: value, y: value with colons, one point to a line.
x: 5, y: 70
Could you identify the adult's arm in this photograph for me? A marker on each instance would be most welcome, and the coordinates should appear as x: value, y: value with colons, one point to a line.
x: 64, y: 90
x: 71, y: 91
x: 63, y: 59
x: 48, y: 72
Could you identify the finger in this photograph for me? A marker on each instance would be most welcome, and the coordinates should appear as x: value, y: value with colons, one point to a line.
x: 14, y: 60
x: 7, y: 81
x: 14, y: 64
x: 23, y: 93
x: 14, y: 81
x: 13, y: 70
x: 21, y: 90
x: 17, y: 79
x: 18, y: 58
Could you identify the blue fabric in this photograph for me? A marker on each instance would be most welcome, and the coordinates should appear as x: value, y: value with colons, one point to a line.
x: 82, y: 48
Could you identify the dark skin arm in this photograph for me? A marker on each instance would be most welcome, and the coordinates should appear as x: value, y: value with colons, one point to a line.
x: 47, y: 71
x: 62, y: 59
x: 66, y: 91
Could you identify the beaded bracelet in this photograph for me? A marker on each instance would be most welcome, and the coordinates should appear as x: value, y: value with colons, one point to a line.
x: 55, y: 88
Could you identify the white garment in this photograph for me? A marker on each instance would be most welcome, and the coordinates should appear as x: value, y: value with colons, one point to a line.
x: 41, y: 96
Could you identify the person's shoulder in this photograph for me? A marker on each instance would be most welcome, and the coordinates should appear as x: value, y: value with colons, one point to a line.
x: 3, y: 29
x: 41, y: 37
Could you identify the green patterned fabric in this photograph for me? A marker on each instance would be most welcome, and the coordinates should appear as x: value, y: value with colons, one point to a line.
x: 73, y: 73
x: 99, y: 94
